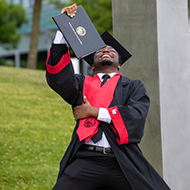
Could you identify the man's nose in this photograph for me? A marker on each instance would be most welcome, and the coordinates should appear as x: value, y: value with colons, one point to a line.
x: 106, y: 50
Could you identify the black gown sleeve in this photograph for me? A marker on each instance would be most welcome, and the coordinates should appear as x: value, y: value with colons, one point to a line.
x: 60, y: 74
x: 129, y: 119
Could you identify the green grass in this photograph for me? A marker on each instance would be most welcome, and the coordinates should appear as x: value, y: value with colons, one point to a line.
x: 35, y: 129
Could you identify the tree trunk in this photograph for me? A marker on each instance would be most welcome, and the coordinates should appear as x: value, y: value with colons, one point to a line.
x: 32, y: 56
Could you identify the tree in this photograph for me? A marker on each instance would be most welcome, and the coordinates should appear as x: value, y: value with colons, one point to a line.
x: 12, y: 16
x: 99, y: 11
x: 32, y: 56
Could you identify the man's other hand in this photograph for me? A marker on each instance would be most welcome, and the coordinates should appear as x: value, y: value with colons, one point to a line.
x: 71, y: 10
x: 85, y: 110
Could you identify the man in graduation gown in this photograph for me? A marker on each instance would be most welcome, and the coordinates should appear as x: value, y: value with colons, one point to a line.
x: 110, y: 117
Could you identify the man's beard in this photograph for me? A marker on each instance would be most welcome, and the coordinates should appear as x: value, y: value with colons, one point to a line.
x: 104, y: 63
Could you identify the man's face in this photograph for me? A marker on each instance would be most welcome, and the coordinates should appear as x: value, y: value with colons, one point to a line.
x: 106, y: 56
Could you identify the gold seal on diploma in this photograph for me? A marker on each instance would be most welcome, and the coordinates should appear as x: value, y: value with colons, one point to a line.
x: 81, y: 31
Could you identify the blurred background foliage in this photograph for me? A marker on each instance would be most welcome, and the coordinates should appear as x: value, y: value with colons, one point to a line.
x: 12, y: 16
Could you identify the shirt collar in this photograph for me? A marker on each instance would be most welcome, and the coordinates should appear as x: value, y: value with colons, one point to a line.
x: 100, y: 75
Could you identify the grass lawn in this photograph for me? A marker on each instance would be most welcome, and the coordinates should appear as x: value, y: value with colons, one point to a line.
x: 35, y: 129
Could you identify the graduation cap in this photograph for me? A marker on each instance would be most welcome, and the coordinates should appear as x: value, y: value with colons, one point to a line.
x: 111, y: 41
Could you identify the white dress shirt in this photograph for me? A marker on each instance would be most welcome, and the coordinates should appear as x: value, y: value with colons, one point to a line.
x: 59, y: 39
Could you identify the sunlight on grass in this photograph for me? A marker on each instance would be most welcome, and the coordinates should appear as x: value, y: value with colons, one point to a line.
x: 35, y: 129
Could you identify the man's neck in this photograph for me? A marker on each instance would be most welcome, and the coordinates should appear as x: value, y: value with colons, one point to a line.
x: 106, y: 71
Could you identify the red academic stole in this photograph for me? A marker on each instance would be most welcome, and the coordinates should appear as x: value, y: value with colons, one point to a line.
x: 98, y: 97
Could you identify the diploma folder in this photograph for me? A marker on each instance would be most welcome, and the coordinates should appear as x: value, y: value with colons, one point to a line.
x: 79, y: 33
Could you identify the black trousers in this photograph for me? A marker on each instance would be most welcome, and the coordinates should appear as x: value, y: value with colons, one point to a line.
x: 91, y: 170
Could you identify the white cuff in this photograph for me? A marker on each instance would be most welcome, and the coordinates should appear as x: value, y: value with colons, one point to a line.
x: 59, y: 39
x: 103, y: 115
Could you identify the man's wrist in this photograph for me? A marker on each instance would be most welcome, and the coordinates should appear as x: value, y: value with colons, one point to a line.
x: 94, y: 112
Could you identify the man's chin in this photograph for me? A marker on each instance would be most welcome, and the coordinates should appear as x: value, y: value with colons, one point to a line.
x: 104, y: 63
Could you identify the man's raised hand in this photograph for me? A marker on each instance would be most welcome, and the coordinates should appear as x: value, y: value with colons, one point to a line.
x: 70, y: 10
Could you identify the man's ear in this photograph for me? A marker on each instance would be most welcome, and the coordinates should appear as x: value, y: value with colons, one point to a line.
x: 92, y: 66
x: 119, y: 66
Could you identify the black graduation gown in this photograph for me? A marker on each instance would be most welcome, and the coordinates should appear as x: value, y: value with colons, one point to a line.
x: 132, y: 102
